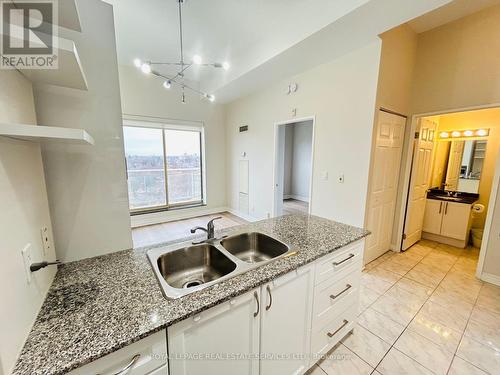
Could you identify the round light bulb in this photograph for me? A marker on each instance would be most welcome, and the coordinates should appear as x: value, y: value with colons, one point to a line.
x: 481, y: 133
x: 137, y: 63
x: 197, y: 59
x: 146, y: 68
x: 468, y: 133
x: 444, y: 134
x: 211, y: 98
x: 456, y: 134
x: 167, y: 84
x: 226, y: 65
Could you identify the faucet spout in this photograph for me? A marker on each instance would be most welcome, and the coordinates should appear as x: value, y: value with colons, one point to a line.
x: 210, y: 229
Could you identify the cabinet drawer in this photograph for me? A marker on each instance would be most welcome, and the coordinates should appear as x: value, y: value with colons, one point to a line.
x: 339, y: 265
x: 330, y: 334
x: 331, y: 297
x: 141, y: 357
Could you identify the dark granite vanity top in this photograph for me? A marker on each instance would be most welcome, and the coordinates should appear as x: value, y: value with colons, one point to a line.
x: 458, y: 197
x: 96, y: 306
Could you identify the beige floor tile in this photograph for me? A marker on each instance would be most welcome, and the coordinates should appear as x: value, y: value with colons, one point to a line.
x: 366, y: 297
x: 379, y: 324
x: 414, y: 301
x: 366, y: 345
x: 479, y: 355
x: 395, y: 267
x: 468, y: 294
x: 428, y: 243
x: 385, y: 275
x: 442, y: 261
x: 374, y: 283
x: 422, y: 274
x: 489, y: 299
x: 397, y: 363
x: 394, y: 309
x: 486, y: 317
x: 452, y: 301
x: 436, y: 332
x: 424, y: 351
x: 315, y: 370
x: 400, y: 258
x: 461, y: 367
x: 342, y: 361
x: 483, y: 334
x: 414, y: 287
x: 420, y: 249
x: 490, y: 290
x: 457, y: 251
x: 448, y: 318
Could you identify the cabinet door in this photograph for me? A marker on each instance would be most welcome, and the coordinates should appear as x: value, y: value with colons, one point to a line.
x: 286, y: 323
x: 433, y: 216
x: 223, y: 340
x: 456, y: 220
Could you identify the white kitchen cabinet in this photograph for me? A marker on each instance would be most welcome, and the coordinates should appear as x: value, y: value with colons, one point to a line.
x: 433, y: 216
x: 456, y: 217
x: 447, y: 222
x: 223, y: 340
x: 286, y: 323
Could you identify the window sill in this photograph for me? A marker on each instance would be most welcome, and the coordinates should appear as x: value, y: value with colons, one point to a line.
x: 166, y: 209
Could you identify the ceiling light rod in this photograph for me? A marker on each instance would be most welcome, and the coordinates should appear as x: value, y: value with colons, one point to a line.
x: 183, y: 85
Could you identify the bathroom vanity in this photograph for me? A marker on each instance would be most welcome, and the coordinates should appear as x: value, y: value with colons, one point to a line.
x: 274, y: 316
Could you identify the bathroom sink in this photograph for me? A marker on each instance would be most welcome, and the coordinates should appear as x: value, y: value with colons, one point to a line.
x: 254, y: 247
x: 193, y: 266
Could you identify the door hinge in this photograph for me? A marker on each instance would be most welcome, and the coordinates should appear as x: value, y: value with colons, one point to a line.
x: 404, y: 236
x: 417, y: 135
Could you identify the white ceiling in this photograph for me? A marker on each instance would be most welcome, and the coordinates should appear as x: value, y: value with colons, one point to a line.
x: 448, y: 13
x: 264, y: 40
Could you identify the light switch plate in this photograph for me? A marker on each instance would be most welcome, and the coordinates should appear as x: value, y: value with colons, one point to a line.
x: 46, y: 241
x: 27, y: 255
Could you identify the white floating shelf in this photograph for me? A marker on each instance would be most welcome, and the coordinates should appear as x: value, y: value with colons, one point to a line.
x: 68, y: 16
x: 46, y: 133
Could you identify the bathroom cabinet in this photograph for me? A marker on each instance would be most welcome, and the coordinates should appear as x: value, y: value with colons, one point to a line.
x: 447, y: 222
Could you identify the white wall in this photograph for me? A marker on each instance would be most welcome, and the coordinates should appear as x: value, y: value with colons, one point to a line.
x: 302, y: 148
x: 145, y: 96
x: 24, y: 211
x: 87, y: 184
x: 341, y: 94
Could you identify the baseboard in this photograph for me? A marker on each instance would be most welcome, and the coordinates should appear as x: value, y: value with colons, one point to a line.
x: 297, y: 198
x: 166, y: 216
x: 444, y: 240
x: 489, y: 278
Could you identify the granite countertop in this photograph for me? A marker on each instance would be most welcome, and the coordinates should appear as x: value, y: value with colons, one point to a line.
x: 96, y: 306
x: 466, y: 198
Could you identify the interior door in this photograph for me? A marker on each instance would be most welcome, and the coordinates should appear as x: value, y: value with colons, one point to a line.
x: 454, y: 165
x: 279, y: 170
x: 419, y: 182
x: 286, y: 324
x: 384, y: 183
x: 433, y: 216
x: 223, y: 340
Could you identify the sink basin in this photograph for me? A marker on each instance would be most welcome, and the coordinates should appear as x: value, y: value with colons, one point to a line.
x: 254, y: 247
x: 193, y: 266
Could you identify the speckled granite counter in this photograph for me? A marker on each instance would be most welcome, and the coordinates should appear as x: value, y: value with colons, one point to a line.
x: 99, y: 305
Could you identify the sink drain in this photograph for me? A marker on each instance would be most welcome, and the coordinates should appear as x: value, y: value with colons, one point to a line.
x: 192, y: 283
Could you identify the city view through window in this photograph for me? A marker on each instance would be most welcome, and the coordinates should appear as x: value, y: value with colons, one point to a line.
x: 163, y: 167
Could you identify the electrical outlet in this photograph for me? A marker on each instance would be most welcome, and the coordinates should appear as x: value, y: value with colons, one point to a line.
x: 46, y: 241
x: 27, y: 255
x: 340, y: 179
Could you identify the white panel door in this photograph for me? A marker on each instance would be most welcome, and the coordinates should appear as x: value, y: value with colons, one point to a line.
x: 456, y: 220
x: 286, y: 323
x: 419, y: 182
x: 454, y: 165
x: 230, y: 329
x: 383, y: 188
x: 433, y: 216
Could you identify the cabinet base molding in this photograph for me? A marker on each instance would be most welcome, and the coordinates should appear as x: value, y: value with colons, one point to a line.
x: 446, y: 240
x: 490, y: 278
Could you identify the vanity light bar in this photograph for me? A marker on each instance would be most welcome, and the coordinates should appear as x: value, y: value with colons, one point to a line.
x: 465, y: 133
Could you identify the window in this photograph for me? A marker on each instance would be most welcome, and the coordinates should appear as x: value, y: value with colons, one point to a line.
x: 164, y: 167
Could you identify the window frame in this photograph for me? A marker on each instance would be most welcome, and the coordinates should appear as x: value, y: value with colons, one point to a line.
x: 166, y: 124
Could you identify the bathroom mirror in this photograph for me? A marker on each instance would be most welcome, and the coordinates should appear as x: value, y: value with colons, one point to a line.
x: 459, y: 164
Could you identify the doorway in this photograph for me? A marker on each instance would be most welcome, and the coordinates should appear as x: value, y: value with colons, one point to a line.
x: 293, y: 167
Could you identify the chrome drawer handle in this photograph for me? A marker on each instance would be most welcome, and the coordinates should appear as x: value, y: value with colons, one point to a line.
x: 347, y: 287
x: 270, y: 298
x: 258, y: 304
x: 337, y: 331
x: 127, y: 368
x: 345, y: 260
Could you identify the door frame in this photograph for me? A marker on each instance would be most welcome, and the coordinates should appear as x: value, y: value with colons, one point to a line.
x: 408, y: 158
x: 275, y: 158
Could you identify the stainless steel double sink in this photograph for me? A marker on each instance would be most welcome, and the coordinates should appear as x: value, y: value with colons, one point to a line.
x: 185, y: 268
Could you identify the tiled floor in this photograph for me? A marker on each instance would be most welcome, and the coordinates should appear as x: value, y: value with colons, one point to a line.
x: 179, y: 229
x: 422, y: 312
